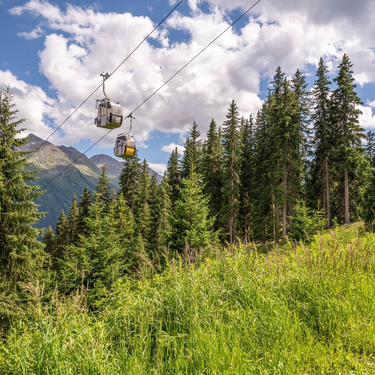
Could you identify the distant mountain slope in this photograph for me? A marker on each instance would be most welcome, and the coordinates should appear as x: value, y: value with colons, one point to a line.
x: 50, y: 160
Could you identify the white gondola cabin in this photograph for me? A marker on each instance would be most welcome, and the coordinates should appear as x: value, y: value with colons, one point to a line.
x: 109, y: 113
x: 125, y: 146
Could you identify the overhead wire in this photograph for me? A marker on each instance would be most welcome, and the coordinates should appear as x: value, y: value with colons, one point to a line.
x: 135, y: 49
x: 157, y: 90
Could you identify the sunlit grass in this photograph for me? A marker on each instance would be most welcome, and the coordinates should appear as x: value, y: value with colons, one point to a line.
x: 297, y: 310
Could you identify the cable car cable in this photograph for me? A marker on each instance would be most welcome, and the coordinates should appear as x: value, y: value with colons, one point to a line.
x: 156, y: 27
x: 131, y: 113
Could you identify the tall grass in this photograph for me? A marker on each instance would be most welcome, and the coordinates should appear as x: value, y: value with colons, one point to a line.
x: 297, y: 310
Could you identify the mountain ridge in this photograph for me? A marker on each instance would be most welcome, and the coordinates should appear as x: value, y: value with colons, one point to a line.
x: 51, y: 160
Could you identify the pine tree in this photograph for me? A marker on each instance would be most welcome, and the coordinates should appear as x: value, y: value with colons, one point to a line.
x: 247, y: 178
x: 22, y: 257
x: 174, y: 176
x: 190, y: 223
x: 303, y: 119
x: 83, y: 211
x: 231, y: 162
x: 368, y: 211
x: 262, y: 218
x: 103, y: 189
x: 212, y: 171
x: 129, y: 181
x: 349, y: 134
x: 73, y: 220
x: 323, y: 140
x: 370, y: 148
x: 192, y: 152
x: 61, y: 239
x: 162, y: 210
x: 143, y: 212
x: 285, y: 160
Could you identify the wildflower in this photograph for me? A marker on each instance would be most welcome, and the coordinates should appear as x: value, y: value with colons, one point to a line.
x: 156, y: 355
x: 188, y: 357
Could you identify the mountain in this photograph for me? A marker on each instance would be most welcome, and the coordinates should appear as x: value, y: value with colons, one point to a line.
x: 50, y: 160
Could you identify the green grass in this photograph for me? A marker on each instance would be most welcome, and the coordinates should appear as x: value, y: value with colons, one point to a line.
x: 297, y: 310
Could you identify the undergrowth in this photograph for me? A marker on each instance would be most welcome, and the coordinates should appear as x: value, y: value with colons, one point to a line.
x: 300, y: 309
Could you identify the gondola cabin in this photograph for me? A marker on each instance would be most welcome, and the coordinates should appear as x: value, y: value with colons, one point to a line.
x: 109, y: 114
x: 125, y: 146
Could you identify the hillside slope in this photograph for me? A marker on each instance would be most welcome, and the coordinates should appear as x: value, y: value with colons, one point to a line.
x: 50, y: 160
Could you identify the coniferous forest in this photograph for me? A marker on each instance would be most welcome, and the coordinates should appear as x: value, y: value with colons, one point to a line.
x: 234, y: 263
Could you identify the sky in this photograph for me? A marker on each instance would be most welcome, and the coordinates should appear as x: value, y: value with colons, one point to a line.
x: 54, y: 51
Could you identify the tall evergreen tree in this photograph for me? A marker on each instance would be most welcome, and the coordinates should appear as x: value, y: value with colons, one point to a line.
x: 129, y: 181
x: 160, y: 226
x: 143, y: 212
x: 323, y: 139
x: 247, y: 178
x: 190, y: 223
x: 349, y: 134
x: 21, y: 254
x: 212, y: 171
x: 232, y: 166
x: 174, y: 176
x: 103, y: 189
x: 73, y: 220
x: 262, y: 215
x: 286, y: 156
x: 192, y: 152
x: 370, y: 148
x: 83, y: 211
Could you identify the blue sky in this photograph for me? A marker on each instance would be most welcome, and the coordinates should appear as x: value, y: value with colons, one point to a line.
x: 54, y: 51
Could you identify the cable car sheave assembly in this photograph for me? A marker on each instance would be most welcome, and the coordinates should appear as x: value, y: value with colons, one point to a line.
x: 110, y: 117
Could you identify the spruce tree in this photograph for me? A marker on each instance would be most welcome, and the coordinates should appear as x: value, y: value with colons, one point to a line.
x: 262, y: 215
x: 247, y: 178
x: 190, y: 222
x: 129, y: 181
x: 73, y: 220
x: 103, y: 189
x: 192, y: 152
x: 162, y: 210
x: 21, y: 255
x: 83, y: 211
x: 349, y: 134
x: 370, y: 148
x: 174, y: 176
x: 232, y: 165
x: 323, y: 141
x: 143, y: 212
x: 212, y: 172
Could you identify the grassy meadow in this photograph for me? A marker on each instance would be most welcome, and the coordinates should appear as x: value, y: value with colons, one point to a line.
x: 298, y: 309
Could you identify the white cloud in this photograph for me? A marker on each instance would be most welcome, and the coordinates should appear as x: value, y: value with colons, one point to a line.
x: 371, y: 104
x: 172, y: 146
x: 367, y: 119
x: 32, y: 103
x: 80, y: 43
x: 160, y: 168
x: 33, y: 34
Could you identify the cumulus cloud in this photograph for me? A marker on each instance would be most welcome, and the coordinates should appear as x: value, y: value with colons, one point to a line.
x: 80, y: 43
x: 160, y: 168
x: 367, y: 119
x: 172, y: 146
x: 33, y: 34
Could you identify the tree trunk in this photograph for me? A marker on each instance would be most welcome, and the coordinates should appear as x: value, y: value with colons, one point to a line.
x: 277, y: 223
x: 346, y: 194
x: 328, y: 207
x: 284, y: 201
